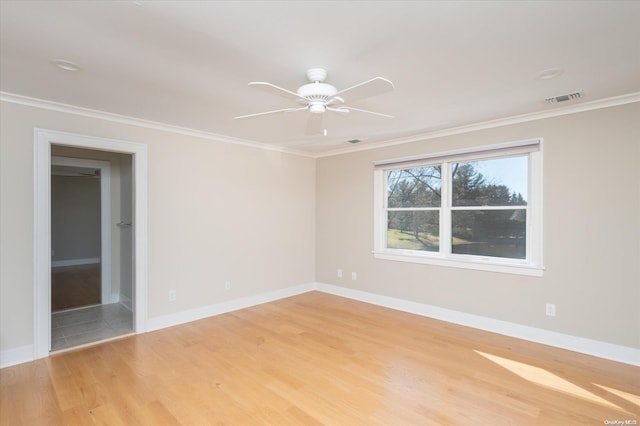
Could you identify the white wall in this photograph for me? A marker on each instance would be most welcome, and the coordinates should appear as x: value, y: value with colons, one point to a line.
x: 217, y: 212
x: 591, y: 231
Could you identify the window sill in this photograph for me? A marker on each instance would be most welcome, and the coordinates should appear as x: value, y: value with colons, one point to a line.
x: 481, y: 265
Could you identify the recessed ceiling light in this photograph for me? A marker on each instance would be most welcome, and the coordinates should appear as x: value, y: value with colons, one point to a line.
x: 66, y: 65
x: 550, y: 73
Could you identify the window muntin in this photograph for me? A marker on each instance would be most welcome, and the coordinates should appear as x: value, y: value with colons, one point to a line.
x: 496, y: 225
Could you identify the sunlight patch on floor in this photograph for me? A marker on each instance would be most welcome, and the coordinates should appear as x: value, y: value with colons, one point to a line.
x: 547, y: 379
x: 634, y: 399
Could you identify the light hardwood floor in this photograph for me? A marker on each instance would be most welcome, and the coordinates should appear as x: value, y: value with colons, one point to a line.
x: 319, y: 359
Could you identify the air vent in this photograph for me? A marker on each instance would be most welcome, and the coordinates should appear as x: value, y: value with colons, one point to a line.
x: 354, y: 141
x: 565, y: 98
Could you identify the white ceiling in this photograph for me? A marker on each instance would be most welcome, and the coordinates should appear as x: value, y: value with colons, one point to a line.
x: 187, y: 63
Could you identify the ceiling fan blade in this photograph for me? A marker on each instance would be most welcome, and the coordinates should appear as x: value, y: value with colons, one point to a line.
x: 269, y: 112
x: 277, y: 90
x: 365, y: 111
x: 333, y: 100
x: 373, y: 87
x: 314, y: 124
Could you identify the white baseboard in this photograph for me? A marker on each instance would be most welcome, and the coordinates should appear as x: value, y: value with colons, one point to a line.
x: 74, y: 262
x: 23, y: 354
x: 224, y: 307
x: 16, y: 356
x: 596, y: 348
x: 126, y: 302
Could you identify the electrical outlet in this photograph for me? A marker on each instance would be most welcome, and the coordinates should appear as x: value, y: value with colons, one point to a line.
x: 227, y: 285
x: 172, y: 295
x: 354, y: 276
x: 339, y: 273
x: 551, y: 309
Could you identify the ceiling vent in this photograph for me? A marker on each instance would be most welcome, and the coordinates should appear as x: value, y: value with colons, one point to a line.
x: 565, y: 98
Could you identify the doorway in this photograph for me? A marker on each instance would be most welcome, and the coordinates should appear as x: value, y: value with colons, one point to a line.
x: 90, y: 298
x: 133, y: 226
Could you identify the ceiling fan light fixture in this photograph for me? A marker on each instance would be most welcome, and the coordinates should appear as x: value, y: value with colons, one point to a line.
x: 317, y: 108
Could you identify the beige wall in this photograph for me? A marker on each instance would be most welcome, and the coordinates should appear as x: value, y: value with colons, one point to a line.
x: 75, y: 217
x: 126, y: 234
x: 591, y: 219
x: 266, y: 220
x: 217, y: 212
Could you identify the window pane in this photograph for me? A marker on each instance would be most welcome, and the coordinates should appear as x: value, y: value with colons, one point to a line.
x: 497, y: 182
x: 416, y: 187
x: 496, y: 233
x: 413, y: 230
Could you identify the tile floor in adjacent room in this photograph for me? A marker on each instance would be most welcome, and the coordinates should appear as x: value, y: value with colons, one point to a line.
x: 75, y: 327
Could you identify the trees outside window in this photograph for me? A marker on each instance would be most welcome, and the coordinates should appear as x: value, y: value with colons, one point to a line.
x: 461, y: 207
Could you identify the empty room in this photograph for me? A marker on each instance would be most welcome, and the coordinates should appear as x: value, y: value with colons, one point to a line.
x: 319, y: 212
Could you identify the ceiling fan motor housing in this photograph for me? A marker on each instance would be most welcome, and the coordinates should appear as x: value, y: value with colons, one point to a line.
x: 317, y: 91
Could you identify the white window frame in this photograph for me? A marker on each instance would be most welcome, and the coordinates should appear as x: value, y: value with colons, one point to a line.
x: 531, y: 266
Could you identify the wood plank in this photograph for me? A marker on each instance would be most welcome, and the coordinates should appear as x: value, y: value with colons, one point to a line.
x: 319, y: 359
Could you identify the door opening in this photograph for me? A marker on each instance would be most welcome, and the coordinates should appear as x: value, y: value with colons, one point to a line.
x: 89, y: 301
x: 124, y: 284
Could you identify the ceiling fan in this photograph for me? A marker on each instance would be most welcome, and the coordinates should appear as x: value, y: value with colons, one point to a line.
x: 318, y: 97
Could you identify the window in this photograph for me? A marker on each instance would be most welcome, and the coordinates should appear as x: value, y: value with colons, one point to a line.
x: 477, y: 209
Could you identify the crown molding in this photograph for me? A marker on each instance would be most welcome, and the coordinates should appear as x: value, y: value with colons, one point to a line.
x: 123, y: 119
x: 500, y: 122
x: 132, y: 121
